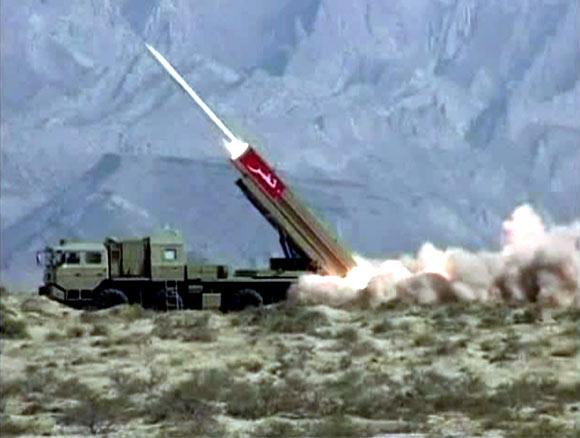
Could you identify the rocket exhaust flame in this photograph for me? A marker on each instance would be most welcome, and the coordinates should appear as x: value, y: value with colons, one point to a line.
x: 236, y: 148
x: 234, y: 145
x: 535, y: 265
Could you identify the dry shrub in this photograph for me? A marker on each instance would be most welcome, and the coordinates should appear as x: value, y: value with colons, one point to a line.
x: 285, y: 318
x: 11, y: 326
x: 364, y: 348
x: 8, y: 389
x: 95, y: 413
x: 10, y: 427
x: 421, y: 395
x: 566, y: 349
x: 127, y: 312
x: 290, y: 359
x: 275, y: 427
x: 127, y: 384
x: 386, y: 325
x: 33, y: 408
x: 454, y: 317
x: 41, y: 385
x: 424, y: 339
x: 264, y: 398
x: 572, y: 314
x: 134, y: 312
x: 493, y: 316
x: 75, y: 331
x: 251, y: 400
x: 337, y: 426
x: 167, y: 329
x: 377, y: 396
x: 249, y: 365
x: 34, y: 304
x: 38, y: 383
x: 185, y: 326
x: 536, y: 392
x: 545, y: 427
x: 100, y: 329
x: 203, y: 387
x: 206, y: 390
x: 193, y: 402
x: 448, y: 347
x: 348, y: 335
x: 92, y: 317
x: 505, y: 349
x: 54, y: 336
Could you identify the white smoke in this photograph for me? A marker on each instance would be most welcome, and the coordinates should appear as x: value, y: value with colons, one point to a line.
x: 535, y: 264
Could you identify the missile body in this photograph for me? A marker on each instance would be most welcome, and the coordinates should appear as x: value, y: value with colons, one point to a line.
x: 304, y: 235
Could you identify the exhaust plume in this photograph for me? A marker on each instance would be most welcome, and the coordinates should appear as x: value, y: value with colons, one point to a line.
x: 234, y: 145
x: 535, y: 264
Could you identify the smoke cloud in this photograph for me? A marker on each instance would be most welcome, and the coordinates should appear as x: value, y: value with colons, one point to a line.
x: 535, y: 265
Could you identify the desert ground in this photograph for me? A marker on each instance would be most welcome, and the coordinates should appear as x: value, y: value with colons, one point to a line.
x: 290, y: 370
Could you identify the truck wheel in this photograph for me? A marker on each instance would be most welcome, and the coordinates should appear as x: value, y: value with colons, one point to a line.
x: 160, y: 302
x: 245, y: 298
x: 109, y: 298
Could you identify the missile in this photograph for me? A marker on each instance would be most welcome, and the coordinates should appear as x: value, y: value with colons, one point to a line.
x: 270, y: 195
x: 235, y: 146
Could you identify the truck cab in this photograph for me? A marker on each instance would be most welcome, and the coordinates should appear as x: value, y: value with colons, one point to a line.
x: 72, y: 270
x: 91, y: 274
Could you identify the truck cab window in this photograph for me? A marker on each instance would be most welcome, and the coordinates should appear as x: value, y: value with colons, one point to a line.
x: 170, y: 254
x: 93, y: 258
x: 57, y: 258
x: 72, y: 258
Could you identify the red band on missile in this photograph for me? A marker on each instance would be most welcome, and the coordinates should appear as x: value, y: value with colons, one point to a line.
x: 261, y: 173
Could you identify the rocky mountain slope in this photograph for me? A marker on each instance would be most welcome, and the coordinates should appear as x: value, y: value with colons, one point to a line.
x: 447, y: 112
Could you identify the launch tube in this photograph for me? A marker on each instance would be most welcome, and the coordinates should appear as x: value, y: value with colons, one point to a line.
x: 289, y: 214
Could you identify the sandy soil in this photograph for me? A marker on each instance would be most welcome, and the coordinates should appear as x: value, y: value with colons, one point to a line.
x: 455, y: 370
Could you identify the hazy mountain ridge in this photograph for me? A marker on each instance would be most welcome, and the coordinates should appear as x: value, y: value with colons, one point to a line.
x: 450, y: 112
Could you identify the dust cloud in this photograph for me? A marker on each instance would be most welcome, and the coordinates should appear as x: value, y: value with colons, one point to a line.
x: 536, y: 264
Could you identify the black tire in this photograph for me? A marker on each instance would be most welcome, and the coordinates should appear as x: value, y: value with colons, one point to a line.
x: 107, y: 298
x: 245, y: 298
x: 160, y: 301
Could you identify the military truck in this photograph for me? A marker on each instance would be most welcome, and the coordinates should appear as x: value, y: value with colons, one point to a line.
x: 153, y: 271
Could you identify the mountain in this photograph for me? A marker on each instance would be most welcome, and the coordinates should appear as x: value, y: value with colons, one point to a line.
x: 445, y: 113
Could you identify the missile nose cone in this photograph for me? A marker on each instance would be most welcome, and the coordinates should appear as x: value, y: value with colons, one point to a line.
x: 152, y: 50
